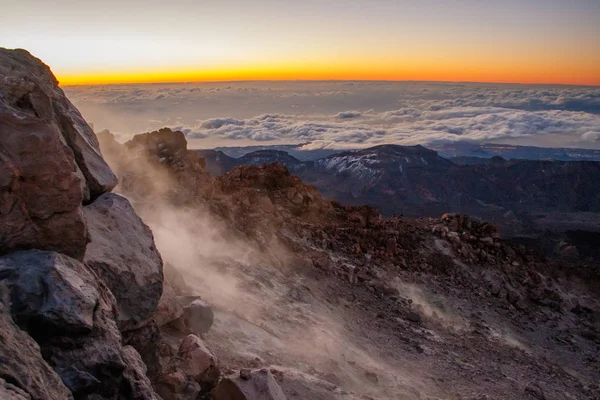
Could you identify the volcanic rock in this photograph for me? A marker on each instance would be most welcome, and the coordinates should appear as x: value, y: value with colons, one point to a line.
x: 193, y: 370
x: 25, y: 375
x: 31, y: 96
x: 169, y: 307
x: 70, y: 313
x: 198, y: 316
x: 146, y: 341
x: 132, y: 269
x: 140, y: 387
x: 260, y: 385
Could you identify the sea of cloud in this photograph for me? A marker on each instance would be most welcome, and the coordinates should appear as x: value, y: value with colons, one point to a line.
x: 348, y: 114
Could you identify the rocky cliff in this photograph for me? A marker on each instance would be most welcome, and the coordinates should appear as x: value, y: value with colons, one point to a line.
x: 80, y: 276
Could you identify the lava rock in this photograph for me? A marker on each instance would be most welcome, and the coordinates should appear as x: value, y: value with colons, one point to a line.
x: 198, y: 316
x: 194, y: 365
x: 70, y: 313
x: 22, y: 364
x: 132, y: 269
x: 30, y: 93
x: 261, y: 385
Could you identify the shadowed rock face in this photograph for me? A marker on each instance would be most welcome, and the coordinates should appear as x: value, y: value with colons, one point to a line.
x: 70, y: 313
x: 24, y: 373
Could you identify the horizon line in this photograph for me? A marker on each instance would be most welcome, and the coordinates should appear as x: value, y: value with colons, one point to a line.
x: 332, y: 80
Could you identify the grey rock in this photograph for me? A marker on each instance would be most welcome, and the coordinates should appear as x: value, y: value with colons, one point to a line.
x: 146, y: 341
x: 123, y: 254
x: 11, y: 392
x: 198, y: 316
x: 51, y: 293
x: 71, y: 314
x: 139, y: 386
x: 261, y: 385
x: 21, y: 362
x: 413, y: 316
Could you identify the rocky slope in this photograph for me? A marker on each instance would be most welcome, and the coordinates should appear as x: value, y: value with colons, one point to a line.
x: 524, y: 198
x: 341, y: 303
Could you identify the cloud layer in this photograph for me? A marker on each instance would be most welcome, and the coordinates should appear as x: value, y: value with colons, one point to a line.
x: 349, y: 114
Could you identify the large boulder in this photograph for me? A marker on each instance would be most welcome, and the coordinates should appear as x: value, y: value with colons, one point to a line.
x: 123, y: 254
x: 198, y: 316
x: 193, y: 369
x: 71, y: 314
x: 50, y: 161
x: 40, y: 190
x: 51, y: 294
x: 30, y: 90
x: 258, y: 385
x: 24, y: 373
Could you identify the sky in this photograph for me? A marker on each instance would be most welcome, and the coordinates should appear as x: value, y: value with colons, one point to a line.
x: 99, y: 42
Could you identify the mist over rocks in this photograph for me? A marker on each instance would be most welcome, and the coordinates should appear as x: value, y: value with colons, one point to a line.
x: 282, y: 266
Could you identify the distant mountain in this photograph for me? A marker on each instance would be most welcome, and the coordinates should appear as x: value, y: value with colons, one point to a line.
x: 306, y: 152
x: 387, y: 176
x: 217, y: 162
x: 299, y: 151
x: 270, y: 156
x: 523, y: 197
x: 508, y: 151
x: 417, y: 181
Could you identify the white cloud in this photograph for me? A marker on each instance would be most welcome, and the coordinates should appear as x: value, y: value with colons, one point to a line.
x: 330, y: 113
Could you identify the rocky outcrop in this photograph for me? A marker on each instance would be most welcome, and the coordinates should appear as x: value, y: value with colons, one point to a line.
x: 50, y: 161
x: 30, y: 95
x: 132, y: 269
x: 71, y: 314
x: 23, y: 372
x: 40, y: 190
x: 82, y: 277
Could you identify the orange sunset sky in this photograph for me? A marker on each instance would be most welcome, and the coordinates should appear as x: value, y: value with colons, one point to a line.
x: 526, y: 41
